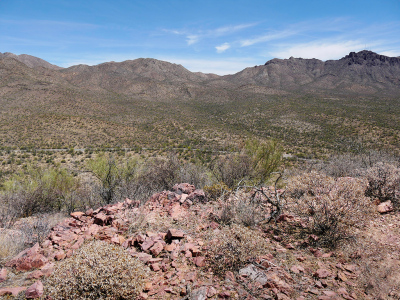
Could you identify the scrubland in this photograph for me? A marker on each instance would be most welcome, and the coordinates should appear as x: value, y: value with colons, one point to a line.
x: 303, y: 206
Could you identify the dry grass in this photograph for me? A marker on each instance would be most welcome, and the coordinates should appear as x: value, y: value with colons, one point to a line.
x: 233, y: 247
x: 329, y: 208
x: 97, y: 271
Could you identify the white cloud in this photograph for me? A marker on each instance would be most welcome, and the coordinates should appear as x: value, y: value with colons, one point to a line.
x: 192, y: 39
x: 267, y: 38
x: 223, y: 47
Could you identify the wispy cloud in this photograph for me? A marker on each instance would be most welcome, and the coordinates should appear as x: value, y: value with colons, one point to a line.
x: 267, y: 37
x: 194, y: 36
x: 223, y: 47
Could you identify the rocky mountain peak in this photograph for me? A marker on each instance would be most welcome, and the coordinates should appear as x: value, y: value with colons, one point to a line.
x: 366, y: 57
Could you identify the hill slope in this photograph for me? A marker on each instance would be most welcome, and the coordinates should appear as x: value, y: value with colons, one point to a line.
x: 148, y: 102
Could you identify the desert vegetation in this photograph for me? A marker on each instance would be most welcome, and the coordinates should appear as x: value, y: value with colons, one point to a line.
x: 255, y: 195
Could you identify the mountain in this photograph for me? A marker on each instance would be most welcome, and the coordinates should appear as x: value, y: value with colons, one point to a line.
x: 306, y: 103
x: 30, y: 61
x: 364, y: 73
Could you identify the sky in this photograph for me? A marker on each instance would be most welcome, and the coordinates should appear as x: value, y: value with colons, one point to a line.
x: 218, y: 36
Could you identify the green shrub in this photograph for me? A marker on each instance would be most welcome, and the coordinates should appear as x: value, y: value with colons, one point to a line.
x: 39, y: 191
x: 97, y: 271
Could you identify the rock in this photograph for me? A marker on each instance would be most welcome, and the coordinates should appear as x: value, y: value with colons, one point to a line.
x: 385, y: 207
x: 155, y: 267
x: 175, y: 234
x: 211, y: 292
x: 12, y: 291
x: 253, y: 273
x: 77, y: 215
x: 157, y: 248
x: 60, y: 255
x: 197, y: 196
x: 199, y: 294
x: 102, y: 220
x: 184, y: 188
x: 322, y: 273
x: 297, y: 269
x: 147, y: 244
x: 330, y: 293
x: 3, y: 274
x: 34, y: 291
x: 199, y: 261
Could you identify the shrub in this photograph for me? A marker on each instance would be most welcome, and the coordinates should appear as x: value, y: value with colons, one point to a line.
x: 233, y: 247
x: 265, y: 157
x: 97, y: 271
x: 217, y: 190
x: 231, y: 168
x: 330, y: 208
x: 40, y: 191
x: 384, y: 183
x: 110, y: 175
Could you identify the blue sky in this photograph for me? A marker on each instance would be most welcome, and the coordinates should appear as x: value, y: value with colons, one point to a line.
x: 219, y: 36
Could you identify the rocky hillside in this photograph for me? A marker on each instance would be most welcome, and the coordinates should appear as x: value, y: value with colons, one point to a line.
x: 184, y: 254
x: 364, y: 72
x: 30, y: 61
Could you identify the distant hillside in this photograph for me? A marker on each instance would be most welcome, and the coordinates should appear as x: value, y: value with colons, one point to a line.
x: 310, y: 105
x: 30, y: 61
x: 362, y: 73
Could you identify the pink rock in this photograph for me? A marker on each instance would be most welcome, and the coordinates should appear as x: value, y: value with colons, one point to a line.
x: 199, y: 261
x: 155, y: 267
x: 211, y: 292
x: 197, y: 196
x: 147, y: 244
x: 185, y: 188
x: 330, y: 293
x: 35, y: 290
x: 157, y: 248
x: 322, y: 273
x: 12, y: 291
x: 3, y: 274
x: 60, y: 255
x: 101, y: 219
x: 77, y: 215
x: 175, y: 234
x: 385, y: 207
x: 176, y: 211
x: 297, y: 269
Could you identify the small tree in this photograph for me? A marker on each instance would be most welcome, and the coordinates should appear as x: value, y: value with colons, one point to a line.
x: 110, y: 175
x: 265, y: 157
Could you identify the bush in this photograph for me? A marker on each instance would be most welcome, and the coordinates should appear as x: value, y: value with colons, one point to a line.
x: 266, y: 157
x: 233, y: 247
x: 231, y: 169
x: 97, y: 271
x: 384, y: 183
x: 217, y: 190
x: 40, y: 191
x: 110, y: 174
x: 330, y: 208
